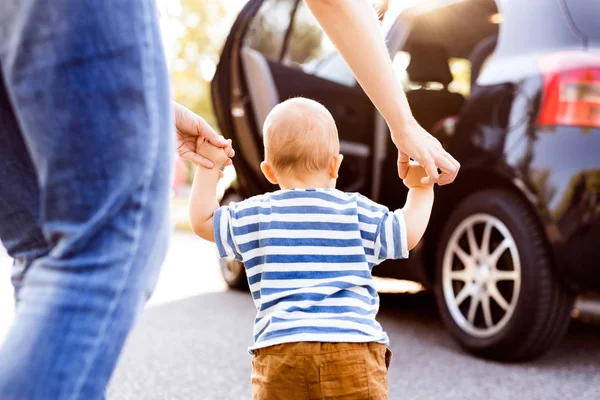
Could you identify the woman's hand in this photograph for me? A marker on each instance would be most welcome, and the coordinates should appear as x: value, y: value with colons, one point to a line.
x: 415, y: 142
x: 192, y: 131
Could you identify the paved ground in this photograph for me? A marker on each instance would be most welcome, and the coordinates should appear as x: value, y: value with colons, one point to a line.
x: 191, y: 344
x: 196, y: 349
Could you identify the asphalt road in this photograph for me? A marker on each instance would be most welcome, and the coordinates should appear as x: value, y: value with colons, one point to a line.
x: 196, y: 347
x: 191, y: 344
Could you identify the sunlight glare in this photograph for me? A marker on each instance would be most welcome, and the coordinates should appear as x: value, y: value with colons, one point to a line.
x: 496, y: 18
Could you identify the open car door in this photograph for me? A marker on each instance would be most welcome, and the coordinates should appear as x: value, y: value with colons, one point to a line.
x: 275, y: 51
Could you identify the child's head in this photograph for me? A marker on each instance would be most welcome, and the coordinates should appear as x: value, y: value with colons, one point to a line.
x: 301, y: 143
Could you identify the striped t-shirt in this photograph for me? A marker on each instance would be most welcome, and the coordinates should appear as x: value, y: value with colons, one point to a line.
x: 308, y: 255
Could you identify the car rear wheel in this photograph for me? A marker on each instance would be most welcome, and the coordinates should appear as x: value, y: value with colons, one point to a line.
x: 232, y: 270
x: 234, y: 273
x: 495, y: 286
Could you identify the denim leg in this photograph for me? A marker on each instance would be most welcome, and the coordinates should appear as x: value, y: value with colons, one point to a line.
x: 20, y: 231
x: 88, y: 84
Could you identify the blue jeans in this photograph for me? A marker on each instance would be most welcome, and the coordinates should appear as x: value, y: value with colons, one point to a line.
x: 85, y: 168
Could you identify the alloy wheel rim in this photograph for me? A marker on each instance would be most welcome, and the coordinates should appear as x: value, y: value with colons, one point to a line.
x: 481, y: 283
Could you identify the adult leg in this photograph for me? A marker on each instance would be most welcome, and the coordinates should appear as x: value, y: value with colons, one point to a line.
x: 88, y: 83
x: 19, y: 196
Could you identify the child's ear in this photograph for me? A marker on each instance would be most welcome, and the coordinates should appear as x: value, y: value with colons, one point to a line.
x: 268, y: 172
x: 334, y: 166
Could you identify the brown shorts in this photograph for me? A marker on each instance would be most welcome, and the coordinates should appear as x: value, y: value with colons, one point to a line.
x: 310, y: 370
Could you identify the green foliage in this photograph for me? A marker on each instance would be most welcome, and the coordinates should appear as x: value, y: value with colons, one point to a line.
x: 199, y: 41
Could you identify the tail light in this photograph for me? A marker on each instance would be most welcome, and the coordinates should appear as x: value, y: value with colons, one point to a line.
x: 571, y: 94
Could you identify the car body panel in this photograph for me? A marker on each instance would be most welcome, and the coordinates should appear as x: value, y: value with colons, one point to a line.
x: 529, y: 30
x: 567, y: 187
x: 584, y: 16
x: 555, y: 169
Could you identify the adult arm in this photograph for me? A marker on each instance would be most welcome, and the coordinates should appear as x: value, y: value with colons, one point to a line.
x: 353, y: 28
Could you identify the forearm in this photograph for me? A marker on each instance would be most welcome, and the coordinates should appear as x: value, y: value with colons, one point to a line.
x: 203, y: 202
x: 417, y: 211
x: 352, y: 26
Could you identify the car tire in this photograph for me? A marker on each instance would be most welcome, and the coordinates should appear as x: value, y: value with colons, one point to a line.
x: 234, y: 273
x: 232, y: 270
x: 516, y: 265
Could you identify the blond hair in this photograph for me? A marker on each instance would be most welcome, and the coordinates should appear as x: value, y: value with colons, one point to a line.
x: 300, y: 137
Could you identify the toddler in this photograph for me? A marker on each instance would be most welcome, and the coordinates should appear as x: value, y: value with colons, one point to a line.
x: 308, y: 250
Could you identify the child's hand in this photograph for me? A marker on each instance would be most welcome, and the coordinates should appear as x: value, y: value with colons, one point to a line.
x: 218, y: 155
x: 415, y: 175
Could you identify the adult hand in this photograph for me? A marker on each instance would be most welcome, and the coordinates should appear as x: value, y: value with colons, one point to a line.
x: 192, y: 131
x: 415, y: 142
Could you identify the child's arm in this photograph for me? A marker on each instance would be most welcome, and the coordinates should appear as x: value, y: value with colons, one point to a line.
x: 203, y: 199
x: 419, y: 203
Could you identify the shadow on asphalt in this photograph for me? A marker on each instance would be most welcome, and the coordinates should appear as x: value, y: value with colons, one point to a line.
x: 418, y: 313
x: 196, y: 349
x: 580, y: 346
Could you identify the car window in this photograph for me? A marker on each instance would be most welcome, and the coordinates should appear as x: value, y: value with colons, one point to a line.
x: 311, y: 50
x: 266, y: 32
x: 460, y: 68
x: 334, y: 68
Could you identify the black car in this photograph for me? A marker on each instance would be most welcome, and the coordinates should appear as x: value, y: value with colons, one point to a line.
x: 512, y: 90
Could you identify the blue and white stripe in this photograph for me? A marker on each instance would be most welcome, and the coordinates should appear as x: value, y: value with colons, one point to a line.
x: 308, y: 255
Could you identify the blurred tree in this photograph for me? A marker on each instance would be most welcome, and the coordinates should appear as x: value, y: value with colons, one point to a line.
x: 198, y: 28
x: 199, y: 40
